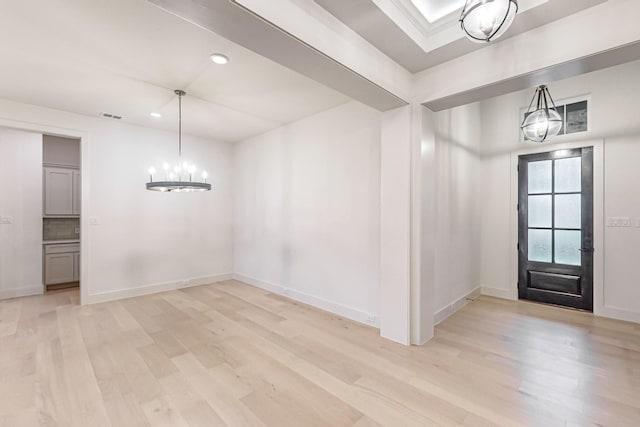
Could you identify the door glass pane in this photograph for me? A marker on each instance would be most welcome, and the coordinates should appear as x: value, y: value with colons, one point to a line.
x: 569, y: 211
x: 540, y: 211
x: 568, y: 244
x: 568, y: 175
x: 540, y: 177
x: 540, y: 245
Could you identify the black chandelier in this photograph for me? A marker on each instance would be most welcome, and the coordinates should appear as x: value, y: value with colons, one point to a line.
x: 180, y: 178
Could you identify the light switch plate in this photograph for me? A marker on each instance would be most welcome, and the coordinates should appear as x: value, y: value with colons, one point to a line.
x: 94, y: 220
x: 6, y: 220
x: 618, y: 221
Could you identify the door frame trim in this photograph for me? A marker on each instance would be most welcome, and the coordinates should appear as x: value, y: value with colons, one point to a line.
x: 584, y: 301
x: 598, y: 215
x: 85, y: 168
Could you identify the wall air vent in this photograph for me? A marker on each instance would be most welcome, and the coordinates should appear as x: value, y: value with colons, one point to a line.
x: 111, y: 116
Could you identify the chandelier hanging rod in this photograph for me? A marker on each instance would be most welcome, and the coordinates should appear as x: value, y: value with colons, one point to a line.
x: 180, y: 94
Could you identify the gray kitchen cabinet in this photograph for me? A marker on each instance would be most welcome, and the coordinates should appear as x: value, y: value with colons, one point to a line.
x: 61, y: 191
x: 58, y: 268
x: 76, y: 192
x: 61, y: 263
x: 76, y: 266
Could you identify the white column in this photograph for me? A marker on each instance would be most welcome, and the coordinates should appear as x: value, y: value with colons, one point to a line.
x: 423, y: 225
x: 407, y: 221
x: 395, y: 225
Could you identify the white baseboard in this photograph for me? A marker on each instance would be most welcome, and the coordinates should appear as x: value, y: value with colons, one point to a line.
x: 155, y: 288
x: 618, y: 314
x: 26, y: 291
x: 447, y: 311
x: 606, y: 311
x: 509, y: 294
x: 318, y: 302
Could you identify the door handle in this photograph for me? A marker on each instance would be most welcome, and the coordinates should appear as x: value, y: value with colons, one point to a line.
x: 586, y: 250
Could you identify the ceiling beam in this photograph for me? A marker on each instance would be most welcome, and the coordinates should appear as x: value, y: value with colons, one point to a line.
x: 587, y: 64
x: 266, y: 35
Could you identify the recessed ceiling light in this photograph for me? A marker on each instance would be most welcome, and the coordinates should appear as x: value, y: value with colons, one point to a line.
x: 155, y: 115
x: 219, y: 58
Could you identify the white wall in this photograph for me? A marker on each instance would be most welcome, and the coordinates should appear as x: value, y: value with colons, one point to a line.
x: 306, y: 210
x: 21, y: 203
x: 615, y: 101
x: 145, y: 241
x: 457, y: 227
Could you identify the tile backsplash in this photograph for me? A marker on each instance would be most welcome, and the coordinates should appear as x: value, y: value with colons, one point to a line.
x: 60, y: 228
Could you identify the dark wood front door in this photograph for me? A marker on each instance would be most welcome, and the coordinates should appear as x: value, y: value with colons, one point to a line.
x: 555, y: 227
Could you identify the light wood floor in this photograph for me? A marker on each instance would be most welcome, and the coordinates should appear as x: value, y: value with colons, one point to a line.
x: 230, y: 354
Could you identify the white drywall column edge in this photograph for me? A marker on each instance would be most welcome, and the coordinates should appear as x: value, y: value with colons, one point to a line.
x: 457, y: 75
x: 423, y: 225
x: 395, y: 224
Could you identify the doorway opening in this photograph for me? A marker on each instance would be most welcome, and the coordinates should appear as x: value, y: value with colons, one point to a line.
x: 61, y: 198
x: 555, y: 228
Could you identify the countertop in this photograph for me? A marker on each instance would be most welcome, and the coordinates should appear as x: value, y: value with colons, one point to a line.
x: 58, y: 242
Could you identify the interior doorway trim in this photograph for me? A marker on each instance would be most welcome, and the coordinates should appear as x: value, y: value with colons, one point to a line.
x: 85, y: 179
x: 598, y: 216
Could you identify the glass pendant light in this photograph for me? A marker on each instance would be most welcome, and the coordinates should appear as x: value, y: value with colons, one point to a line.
x: 544, y: 122
x: 486, y: 20
x: 180, y: 177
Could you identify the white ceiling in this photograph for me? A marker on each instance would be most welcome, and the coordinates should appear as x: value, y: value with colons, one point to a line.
x: 126, y: 57
x: 419, y: 34
x: 434, y: 10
